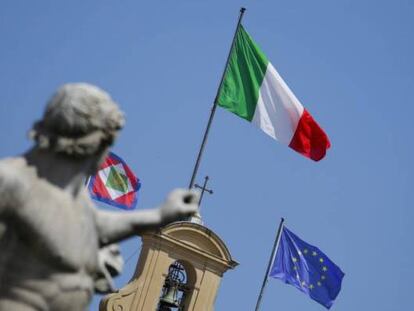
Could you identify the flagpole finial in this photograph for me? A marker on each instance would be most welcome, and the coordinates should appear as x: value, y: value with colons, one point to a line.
x: 242, y: 9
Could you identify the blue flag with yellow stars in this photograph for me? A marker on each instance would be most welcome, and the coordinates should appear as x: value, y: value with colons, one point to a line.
x: 307, y: 268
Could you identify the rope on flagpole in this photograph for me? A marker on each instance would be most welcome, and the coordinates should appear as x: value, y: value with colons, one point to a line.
x: 213, y: 109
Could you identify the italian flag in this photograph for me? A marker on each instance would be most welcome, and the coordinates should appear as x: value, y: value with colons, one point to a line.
x: 254, y: 90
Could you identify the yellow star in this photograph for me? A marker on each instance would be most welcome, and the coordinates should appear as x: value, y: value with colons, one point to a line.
x: 311, y: 286
x: 319, y: 283
x: 305, y: 251
x: 323, y: 277
x: 321, y: 259
x: 314, y: 253
x: 324, y: 268
x: 294, y: 259
x: 295, y: 268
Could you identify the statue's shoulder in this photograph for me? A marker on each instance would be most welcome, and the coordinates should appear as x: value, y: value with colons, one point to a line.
x: 12, y: 168
x: 13, y: 179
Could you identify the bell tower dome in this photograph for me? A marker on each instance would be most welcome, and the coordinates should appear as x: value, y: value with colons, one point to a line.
x: 180, y: 268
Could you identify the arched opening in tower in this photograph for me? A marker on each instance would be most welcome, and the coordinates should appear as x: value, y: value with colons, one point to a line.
x: 175, y: 289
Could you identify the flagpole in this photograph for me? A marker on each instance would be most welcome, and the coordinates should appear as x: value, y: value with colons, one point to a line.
x: 213, y: 109
x: 272, y: 255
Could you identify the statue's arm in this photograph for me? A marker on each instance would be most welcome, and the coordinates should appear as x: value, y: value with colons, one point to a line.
x: 115, y: 226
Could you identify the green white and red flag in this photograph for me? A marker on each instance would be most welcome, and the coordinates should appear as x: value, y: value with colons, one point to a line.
x: 254, y: 90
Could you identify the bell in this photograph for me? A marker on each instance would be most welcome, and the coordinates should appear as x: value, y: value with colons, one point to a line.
x: 170, y: 298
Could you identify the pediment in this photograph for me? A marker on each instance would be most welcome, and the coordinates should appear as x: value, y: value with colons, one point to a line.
x: 199, y: 237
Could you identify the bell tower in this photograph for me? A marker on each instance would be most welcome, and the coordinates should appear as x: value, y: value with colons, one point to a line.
x: 180, y: 268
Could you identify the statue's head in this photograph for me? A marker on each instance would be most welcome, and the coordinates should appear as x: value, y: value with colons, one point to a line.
x: 80, y: 120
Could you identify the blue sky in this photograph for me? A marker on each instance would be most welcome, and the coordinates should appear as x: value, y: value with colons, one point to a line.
x: 349, y: 62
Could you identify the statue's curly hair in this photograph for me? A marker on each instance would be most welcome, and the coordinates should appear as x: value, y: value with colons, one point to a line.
x: 80, y: 119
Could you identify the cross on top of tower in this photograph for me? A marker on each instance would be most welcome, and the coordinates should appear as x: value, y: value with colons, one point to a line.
x: 203, y: 189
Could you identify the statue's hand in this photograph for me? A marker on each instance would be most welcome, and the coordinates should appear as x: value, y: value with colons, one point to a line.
x: 180, y: 204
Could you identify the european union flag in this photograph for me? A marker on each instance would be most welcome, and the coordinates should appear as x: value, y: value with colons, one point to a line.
x: 307, y: 268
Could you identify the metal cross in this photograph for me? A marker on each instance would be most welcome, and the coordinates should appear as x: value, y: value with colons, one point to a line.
x: 203, y: 189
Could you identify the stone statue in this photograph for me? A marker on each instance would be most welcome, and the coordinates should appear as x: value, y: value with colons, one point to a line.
x: 50, y: 232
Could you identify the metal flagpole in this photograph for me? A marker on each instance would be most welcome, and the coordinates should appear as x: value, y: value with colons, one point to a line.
x: 272, y: 255
x: 213, y: 109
